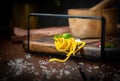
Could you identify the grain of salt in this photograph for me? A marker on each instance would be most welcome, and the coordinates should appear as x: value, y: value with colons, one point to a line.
x: 67, y: 72
x: 89, y: 70
x: 61, y: 72
x: 36, y: 73
x: 58, y: 77
x: 76, y: 67
x: 32, y: 67
x: 73, y: 69
x: 53, y: 70
x: 96, y: 67
x: 28, y: 56
x: 103, y: 65
x: 81, y: 63
x: 18, y: 72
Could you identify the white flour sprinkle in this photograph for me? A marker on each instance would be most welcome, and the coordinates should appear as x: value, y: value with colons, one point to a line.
x: 28, y: 55
x: 61, y: 72
x: 59, y: 77
x: 36, y: 73
x: 96, y: 67
x: 56, y: 70
x: 49, y: 70
x: 81, y: 63
x: 89, y: 70
x: 67, y: 72
x: 18, y: 65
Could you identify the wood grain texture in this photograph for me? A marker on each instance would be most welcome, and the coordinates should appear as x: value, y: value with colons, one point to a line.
x: 46, y: 45
x: 22, y: 34
x: 84, y: 27
x: 92, y: 28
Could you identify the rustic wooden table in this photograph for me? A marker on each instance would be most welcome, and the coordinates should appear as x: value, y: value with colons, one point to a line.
x: 18, y: 65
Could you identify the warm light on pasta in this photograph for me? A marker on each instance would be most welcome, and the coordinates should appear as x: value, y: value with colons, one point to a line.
x: 70, y: 46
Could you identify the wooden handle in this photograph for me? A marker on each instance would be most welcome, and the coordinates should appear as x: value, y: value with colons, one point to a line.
x: 40, y: 47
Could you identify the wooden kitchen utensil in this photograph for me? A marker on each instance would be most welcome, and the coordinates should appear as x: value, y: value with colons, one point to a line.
x: 92, y: 28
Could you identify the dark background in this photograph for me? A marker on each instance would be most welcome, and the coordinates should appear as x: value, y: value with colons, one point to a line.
x: 45, y: 6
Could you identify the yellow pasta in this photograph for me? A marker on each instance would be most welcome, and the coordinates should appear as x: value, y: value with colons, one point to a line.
x: 69, y: 46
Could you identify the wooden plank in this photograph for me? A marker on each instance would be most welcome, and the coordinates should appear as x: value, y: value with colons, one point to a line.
x: 46, y: 45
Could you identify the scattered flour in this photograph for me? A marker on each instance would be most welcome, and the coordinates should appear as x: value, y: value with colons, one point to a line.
x: 49, y: 69
x: 28, y: 55
x: 18, y: 65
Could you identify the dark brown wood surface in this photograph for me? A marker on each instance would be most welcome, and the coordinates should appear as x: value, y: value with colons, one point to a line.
x: 46, y: 45
x: 18, y: 65
x: 91, y: 50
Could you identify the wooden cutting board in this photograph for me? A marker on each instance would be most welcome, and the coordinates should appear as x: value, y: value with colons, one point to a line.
x: 46, y: 45
x: 91, y: 51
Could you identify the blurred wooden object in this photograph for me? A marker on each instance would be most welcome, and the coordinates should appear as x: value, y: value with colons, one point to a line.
x: 22, y: 34
x: 84, y: 27
x: 92, y: 28
x: 91, y: 49
x: 20, y: 14
x: 46, y: 45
